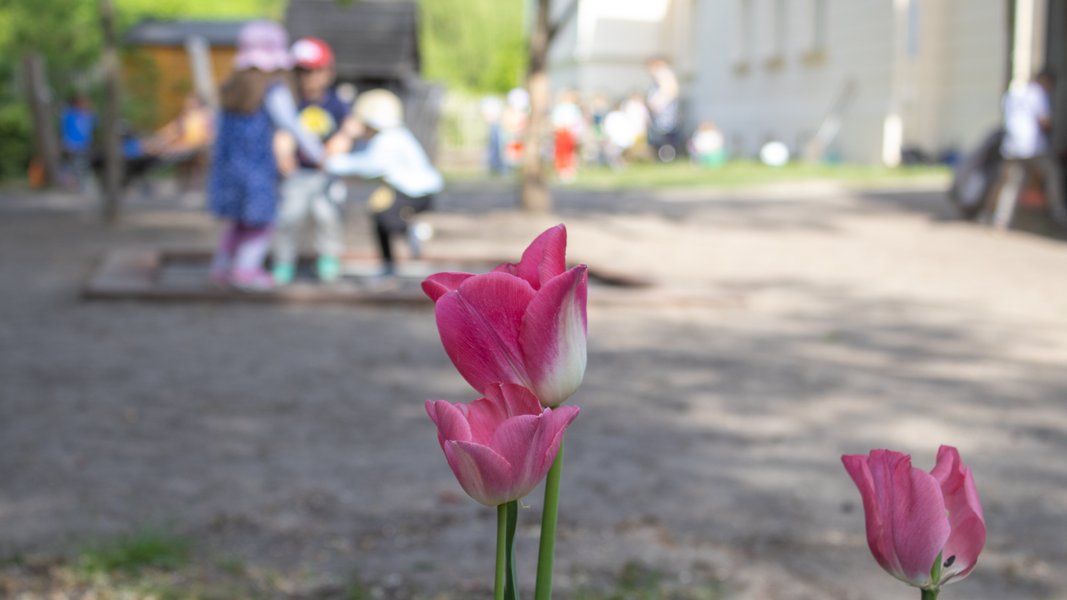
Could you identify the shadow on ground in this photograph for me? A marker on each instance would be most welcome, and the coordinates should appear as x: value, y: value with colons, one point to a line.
x: 293, y: 440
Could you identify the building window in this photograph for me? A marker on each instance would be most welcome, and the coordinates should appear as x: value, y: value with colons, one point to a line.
x: 743, y: 37
x: 818, y: 22
x: 818, y: 25
x: 775, y: 58
x: 914, y: 29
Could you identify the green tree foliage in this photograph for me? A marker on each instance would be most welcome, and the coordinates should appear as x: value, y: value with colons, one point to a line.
x: 473, y: 45
x: 476, y: 46
x: 67, y: 34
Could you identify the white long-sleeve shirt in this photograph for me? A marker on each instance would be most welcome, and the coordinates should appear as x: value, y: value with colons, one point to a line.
x: 1024, y: 108
x: 396, y: 157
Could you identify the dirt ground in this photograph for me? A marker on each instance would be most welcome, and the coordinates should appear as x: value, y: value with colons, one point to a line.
x: 787, y: 326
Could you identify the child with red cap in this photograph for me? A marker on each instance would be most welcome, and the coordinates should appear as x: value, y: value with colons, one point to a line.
x: 306, y: 190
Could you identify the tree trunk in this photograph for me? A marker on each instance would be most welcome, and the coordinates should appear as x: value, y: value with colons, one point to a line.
x: 110, y: 134
x: 39, y: 95
x: 535, y: 196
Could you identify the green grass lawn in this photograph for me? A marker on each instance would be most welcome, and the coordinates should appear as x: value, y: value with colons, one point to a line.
x: 736, y: 174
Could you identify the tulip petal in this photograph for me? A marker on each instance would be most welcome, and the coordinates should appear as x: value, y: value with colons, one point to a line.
x: 905, y: 513
x: 479, y: 325
x: 553, y: 336
x: 516, y: 440
x: 964, y: 514
x: 439, y: 284
x: 484, y: 416
x: 484, y: 474
x: 501, y: 402
x: 515, y: 399
x: 543, y: 259
x: 556, y: 422
x: 451, y: 421
x: 530, y: 444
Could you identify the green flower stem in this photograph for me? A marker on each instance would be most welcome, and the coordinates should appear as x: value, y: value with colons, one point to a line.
x: 935, y: 580
x: 511, y: 584
x: 501, y: 551
x: 547, y: 550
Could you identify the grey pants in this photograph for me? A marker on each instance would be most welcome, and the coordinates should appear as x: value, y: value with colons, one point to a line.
x: 304, y: 193
x: 1013, y: 176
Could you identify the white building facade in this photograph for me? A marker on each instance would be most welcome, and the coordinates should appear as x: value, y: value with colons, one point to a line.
x: 864, y: 79
x: 602, y: 48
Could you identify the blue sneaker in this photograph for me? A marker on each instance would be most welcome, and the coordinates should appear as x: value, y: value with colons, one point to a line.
x: 328, y: 268
x: 283, y: 273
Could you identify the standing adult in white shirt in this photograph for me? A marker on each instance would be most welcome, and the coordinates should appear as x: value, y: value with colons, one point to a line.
x: 1026, y: 150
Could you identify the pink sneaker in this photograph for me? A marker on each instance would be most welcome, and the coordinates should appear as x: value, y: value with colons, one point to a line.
x: 219, y: 277
x: 256, y: 280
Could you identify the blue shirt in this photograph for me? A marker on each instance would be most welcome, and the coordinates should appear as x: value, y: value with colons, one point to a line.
x: 76, y: 127
x: 322, y: 117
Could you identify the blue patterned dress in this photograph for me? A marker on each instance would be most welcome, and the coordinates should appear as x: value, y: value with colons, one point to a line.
x: 243, y: 185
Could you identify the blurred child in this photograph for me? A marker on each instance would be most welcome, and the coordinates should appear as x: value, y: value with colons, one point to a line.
x: 635, y: 109
x: 305, y: 188
x: 568, y: 123
x: 513, y: 126
x: 243, y: 184
x: 76, y: 125
x: 393, y: 155
x: 492, y: 109
x: 620, y: 135
x: 706, y: 147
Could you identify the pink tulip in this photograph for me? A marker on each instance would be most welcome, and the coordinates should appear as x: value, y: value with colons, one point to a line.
x: 914, y: 516
x: 523, y: 323
x: 500, y: 446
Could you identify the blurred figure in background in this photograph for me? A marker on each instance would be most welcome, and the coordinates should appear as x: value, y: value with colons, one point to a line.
x: 568, y: 124
x: 185, y: 140
x: 513, y: 126
x: 594, y: 143
x: 663, y: 108
x: 306, y: 190
x: 492, y: 110
x: 637, y: 112
x: 192, y: 130
x: 243, y: 183
x: 707, y: 147
x: 76, y: 124
x: 621, y: 132
x: 392, y: 154
x: 1026, y: 152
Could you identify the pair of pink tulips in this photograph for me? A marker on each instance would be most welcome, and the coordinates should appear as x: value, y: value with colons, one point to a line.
x: 518, y: 336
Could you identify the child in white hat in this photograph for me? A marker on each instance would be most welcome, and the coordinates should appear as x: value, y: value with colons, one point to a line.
x: 393, y: 155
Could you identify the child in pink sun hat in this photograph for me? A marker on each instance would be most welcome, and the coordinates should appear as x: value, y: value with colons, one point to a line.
x: 243, y: 184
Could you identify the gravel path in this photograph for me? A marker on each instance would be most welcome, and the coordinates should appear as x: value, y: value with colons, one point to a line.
x: 788, y: 326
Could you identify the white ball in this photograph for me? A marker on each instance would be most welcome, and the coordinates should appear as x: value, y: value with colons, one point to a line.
x: 774, y: 154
